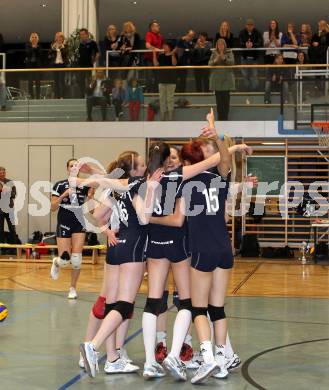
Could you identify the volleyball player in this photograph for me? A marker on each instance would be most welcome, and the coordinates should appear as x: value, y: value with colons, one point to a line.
x: 126, y: 258
x: 70, y: 230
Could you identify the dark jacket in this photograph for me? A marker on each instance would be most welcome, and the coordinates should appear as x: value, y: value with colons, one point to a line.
x: 105, y: 85
x: 318, y: 54
x: 229, y: 41
x: 128, y: 58
x: 201, y: 55
x: 12, y: 194
x: 257, y: 41
x: 53, y: 53
x: 33, y: 56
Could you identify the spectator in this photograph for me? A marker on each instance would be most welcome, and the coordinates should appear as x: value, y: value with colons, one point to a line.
x: 135, y: 99
x: 301, y: 58
x: 320, y: 43
x: 98, y: 94
x: 291, y: 40
x: 250, y: 38
x: 201, y: 56
x: 88, y: 55
x: 153, y: 41
x: 130, y: 40
x: 183, y: 51
x: 222, y: 81
x: 276, y: 78
x: 224, y: 32
x: 3, y: 92
x: 33, y: 60
x: 272, y: 40
x: 7, y: 196
x: 59, y: 58
x: 305, y: 35
x: 118, y: 98
x: 112, y: 42
x: 167, y: 81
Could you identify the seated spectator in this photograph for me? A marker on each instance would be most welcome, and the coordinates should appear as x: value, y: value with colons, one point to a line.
x: 250, y: 38
x: 167, y: 81
x: 153, y: 41
x: 33, y: 60
x: 201, y: 56
x: 59, y: 58
x: 135, y: 99
x: 112, y: 42
x: 272, y: 40
x: 222, y: 81
x: 224, y: 32
x: 119, y: 97
x: 301, y: 58
x: 98, y: 94
x: 183, y: 51
x: 305, y: 35
x: 319, y: 44
x: 130, y: 40
x: 290, y: 40
x: 3, y: 92
x: 276, y: 78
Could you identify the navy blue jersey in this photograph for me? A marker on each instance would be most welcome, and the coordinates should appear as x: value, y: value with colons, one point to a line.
x: 124, y: 204
x: 165, y: 201
x: 74, y: 201
x: 205, y: 197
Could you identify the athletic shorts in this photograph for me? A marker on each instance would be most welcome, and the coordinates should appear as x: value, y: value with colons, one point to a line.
x: 173, y: 249
x: 130, y: 248
x: 208, y: 262
x: 68, y: 225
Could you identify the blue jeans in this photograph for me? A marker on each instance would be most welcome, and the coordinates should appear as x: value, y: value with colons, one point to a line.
x: 3, y: 95
x: 250, y: 74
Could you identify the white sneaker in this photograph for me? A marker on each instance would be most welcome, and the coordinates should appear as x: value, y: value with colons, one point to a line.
x: 90, y: 358
x: 175, y: 367
x: 220, y: 360
x: 81, y: 362
x: 153, y: 371
x: 124, y: 355
x: 120, y: 366
x: 72, y: 293
x: 232, y: 363
x: 195, y: 362
x: 54, y: 270
x: 204, y: 371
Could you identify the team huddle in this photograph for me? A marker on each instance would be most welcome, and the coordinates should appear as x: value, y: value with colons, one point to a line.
x: 168, y: 214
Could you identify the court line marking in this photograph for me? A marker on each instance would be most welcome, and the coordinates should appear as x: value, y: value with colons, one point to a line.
x: 247, y: 363
x: 83, y: 374
x: 249, y: 275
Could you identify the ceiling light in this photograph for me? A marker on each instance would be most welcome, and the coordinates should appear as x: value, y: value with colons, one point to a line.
x: 43, y: 5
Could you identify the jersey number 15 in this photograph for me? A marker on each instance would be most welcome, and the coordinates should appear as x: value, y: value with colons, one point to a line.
x: 211, y: 200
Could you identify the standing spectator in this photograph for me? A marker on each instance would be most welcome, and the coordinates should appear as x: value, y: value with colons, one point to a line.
x: 112, y: 42
x: 201, y: 56
x: 183, y: 51
x: 118, y: 98
x: 320, y: 43
x: 59, y: 58
x: 33, y: 60
x: 135, y: 99
x: 222, y: 81
x: 272, y: 40
x: 153, y: 41
x: 291, y: 40
x: 167, y: 81
x: 88, y: 55
x: 7, y: 197
x: 250, y: 38
x: 3, y: 92
x: 276, y: 78
x: 224, y: 32
x: 305, y: 35
x: 130, y: 40
x: 98, y: 94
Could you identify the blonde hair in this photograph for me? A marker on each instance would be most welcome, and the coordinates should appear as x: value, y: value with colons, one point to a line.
x: 228, y: 29
x: 323, y: 21
x: 224, y: 43
x: 128, y: 26
x: 36, y: 34
x: 59, y: 34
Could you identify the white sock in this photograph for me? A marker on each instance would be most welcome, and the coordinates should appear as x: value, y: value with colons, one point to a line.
x: 220, y: 354
x: 228, y: 350
x: 188, y: 340
x: 181, y: 326
x: 149, y: 324
x: 212, y: 333
x: 162, y: 338
x: 207, y: 351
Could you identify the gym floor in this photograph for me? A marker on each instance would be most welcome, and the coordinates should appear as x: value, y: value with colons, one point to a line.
x: 278, y: 319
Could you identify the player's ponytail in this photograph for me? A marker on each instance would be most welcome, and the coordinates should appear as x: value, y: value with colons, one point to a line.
x: 126, y: 161
x: 158, y: 154
x: 112, y: 166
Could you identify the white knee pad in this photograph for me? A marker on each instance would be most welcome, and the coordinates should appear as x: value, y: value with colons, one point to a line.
x: 63, y: 260
x: 76, y: 260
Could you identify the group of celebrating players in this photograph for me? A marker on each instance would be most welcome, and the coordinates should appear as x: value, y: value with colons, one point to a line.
x: 168, y: 214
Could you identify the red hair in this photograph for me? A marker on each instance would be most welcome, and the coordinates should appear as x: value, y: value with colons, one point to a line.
x: 192, y: 152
